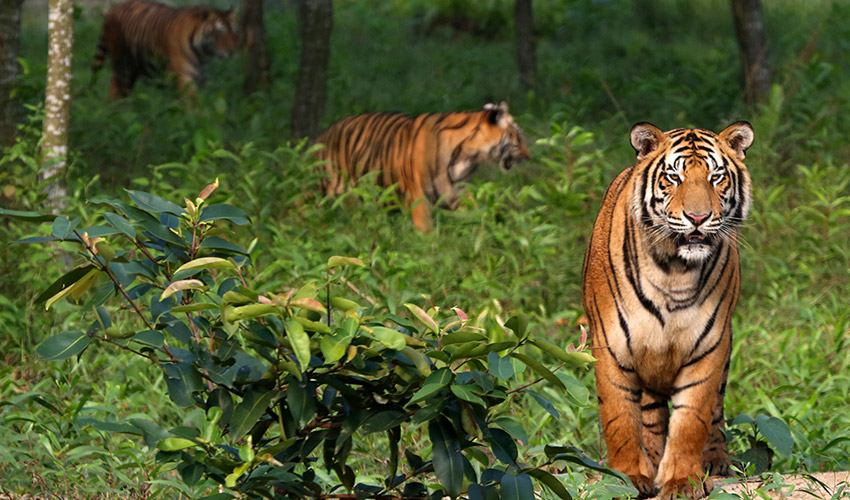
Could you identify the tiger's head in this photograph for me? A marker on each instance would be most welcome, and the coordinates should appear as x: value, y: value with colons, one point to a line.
x: 510, y: 148
x: 215, y: 34
x: 692, y: 188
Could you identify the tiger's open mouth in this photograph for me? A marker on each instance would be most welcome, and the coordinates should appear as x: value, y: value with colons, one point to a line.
x: 694, y: 238
x: 509, y: 161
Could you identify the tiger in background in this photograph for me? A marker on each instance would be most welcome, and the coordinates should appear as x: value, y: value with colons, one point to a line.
x: 144, y: 38
x: 660, y: 281
x: 427, y: 155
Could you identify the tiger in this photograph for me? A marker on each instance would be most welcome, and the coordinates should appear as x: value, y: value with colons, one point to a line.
x: 143, y: 38
x: 660, y: 280
x: 427, y: 156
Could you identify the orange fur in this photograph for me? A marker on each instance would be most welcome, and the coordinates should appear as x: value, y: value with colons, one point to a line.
x: 425, y: 155
x: 143, y: 38
x: 660, y: 281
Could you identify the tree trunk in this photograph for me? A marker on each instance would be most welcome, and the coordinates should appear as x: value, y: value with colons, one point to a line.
x: 253, y: 31
x: 752, y: 46
x: 10, y: 44
x: 316, y: 19
x: 525, y: 43
x: 57, y: 99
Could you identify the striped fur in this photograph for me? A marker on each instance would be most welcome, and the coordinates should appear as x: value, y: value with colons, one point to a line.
x: 143, y: 38
x: 660, y: 281
x: 425, y: 155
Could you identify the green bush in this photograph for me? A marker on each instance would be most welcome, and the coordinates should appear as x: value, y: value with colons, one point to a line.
x: 293, y: 378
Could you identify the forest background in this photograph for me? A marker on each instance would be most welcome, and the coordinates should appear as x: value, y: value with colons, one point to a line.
x: 515, y: 246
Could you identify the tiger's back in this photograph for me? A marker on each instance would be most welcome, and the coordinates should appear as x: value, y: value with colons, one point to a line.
x: 144, y: 38
x: 427, y: 155
x: 660, y: 282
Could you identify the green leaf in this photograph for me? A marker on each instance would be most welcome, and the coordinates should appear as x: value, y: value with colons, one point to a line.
x: 313, y: 326
x: 337, y: 261
x: 577, y: 392
x: 551, y: 482
x: 223, y: 211
x: 513, y: 427
x: 446, y: 457
x: 62, y: 227
x: 383, y: 420
x: 503, y: 446
x: 218, y: 496
x: 153, y: 203
x: 150, y: 337
x: 121, y: 224
x: 517, y: 487
x: 539, y: 369
x: 436, y: 381
x: 25, y: 216
x: 65, y: 280
x: 301, y: 398
x: 199, y: 306
x: 300, y: 342
x: 175, y: 444
x: 249, y: 410
x: 465, y: 392
x: 389, y: 337
x: 573, y: 358
x: 180, y: 285
x: 576, y: 456
x: 216, y: 243
x: 518, y: 323
x: 742, y: 418
x: 545, y: 403
x: 334, y: 346
x: 776, y: 432
x: 182, y: 380
x: 500, y: 367
x: 461, y: 337
x: 250, y: 311
x: 423, y: 317
x: 419, y: 361
x: 75, y: 290
x: 64, y: 345
x: 206, y: 263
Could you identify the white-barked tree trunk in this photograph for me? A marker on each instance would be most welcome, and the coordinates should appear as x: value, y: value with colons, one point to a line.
x: 57, y: 99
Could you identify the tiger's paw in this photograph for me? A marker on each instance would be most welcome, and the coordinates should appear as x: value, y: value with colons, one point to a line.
x: 719, y: 465
x: 690, y: 488
x: 645, y: 486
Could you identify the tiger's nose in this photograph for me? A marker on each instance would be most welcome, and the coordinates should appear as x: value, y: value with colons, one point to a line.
x: 696, y: 219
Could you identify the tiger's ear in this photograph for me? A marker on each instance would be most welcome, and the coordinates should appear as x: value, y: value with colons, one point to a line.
x: 738, y: 136
x: 498, y: 113
x: 645, y: 138
x: 230, y: 14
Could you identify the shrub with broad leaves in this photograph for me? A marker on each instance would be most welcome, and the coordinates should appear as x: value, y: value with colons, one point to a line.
x: 291, y: 379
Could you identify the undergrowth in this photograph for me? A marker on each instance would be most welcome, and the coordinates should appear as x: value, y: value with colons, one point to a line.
x: 515, y: 244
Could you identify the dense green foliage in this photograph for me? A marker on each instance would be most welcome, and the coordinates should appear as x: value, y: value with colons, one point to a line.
x: 514, y: 246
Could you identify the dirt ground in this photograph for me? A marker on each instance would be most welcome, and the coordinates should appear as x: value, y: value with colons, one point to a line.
x: 820, y: 485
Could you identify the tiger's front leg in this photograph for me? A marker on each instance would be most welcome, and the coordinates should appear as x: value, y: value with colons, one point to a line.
x: 694, y: 403
x: 622, y: 426
x: 421, y: 215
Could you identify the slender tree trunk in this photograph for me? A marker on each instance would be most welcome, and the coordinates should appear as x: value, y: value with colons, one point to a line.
x: 57, y: 99
x: 253, y: 31
x: 752, y: 46
x: 316, y: 18
x: 10, y: 44
x: 525, y: 43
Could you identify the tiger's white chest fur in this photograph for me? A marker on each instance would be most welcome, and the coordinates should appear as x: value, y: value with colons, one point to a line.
x: 660, y: 342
